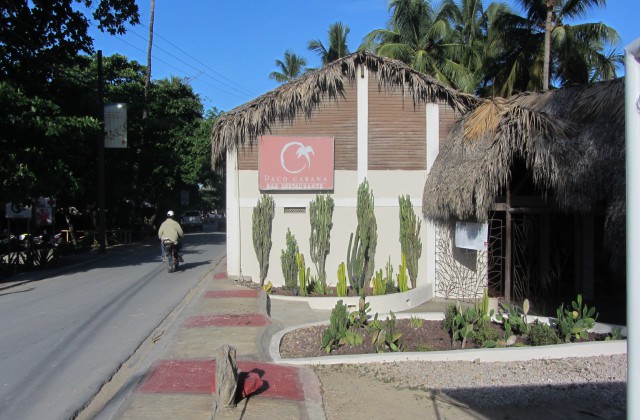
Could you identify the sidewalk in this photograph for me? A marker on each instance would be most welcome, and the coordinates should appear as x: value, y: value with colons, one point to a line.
x: 179, y: 383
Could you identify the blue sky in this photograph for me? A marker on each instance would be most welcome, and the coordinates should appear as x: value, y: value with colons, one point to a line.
x: 226, y: 50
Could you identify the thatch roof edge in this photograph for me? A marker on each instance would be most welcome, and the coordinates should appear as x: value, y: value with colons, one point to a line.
x: 244, y: 124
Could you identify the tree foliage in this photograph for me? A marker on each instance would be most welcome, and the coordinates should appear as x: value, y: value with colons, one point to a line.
x: 49, y: 122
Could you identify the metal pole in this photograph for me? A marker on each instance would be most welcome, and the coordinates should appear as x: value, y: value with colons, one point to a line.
x: 101, y: 183
x: 632, y: 122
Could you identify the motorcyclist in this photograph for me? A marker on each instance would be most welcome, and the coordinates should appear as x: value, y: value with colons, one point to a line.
x: 171, y: 229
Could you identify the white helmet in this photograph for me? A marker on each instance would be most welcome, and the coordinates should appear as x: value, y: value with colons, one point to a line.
x: 170, y: 213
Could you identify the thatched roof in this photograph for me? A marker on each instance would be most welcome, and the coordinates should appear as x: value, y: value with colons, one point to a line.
x: 244, y: 124
x: 572, y: 140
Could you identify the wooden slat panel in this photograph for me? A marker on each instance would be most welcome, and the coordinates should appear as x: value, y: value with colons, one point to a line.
x: 448, y: 117
x: 397, y: 130
x: 337, y: 119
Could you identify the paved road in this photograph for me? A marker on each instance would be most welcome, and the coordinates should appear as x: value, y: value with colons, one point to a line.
x: 61, y: 338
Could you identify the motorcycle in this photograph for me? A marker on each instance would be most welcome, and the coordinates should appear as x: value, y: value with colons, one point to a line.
x: 171, y: 255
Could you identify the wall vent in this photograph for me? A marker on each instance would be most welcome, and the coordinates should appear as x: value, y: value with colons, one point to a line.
x: 295, y: 210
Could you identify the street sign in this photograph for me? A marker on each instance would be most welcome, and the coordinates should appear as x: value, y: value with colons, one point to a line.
x: 44, y: 216
x: 17, y: 211
x: 115, y: 126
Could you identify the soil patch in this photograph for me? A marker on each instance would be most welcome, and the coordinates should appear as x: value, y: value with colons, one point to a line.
x: 306, y: 342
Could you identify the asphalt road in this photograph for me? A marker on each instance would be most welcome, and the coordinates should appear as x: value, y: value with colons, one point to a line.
x: 61, y: 338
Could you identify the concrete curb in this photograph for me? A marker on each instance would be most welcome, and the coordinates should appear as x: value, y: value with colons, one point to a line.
x: 512, y: 354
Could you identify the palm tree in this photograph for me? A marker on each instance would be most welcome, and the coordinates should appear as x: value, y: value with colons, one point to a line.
x: 337, y: 47
x: 422, y: 37
x: 570, y: 54
x: 290, y: 68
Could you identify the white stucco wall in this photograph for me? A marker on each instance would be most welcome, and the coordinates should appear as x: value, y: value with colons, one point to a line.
x: 384, y: 185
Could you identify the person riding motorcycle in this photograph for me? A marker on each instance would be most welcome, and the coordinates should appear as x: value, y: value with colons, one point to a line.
x: 171, y: 229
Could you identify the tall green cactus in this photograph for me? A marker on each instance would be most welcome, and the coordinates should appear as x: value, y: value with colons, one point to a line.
x: 288, y: 261
x: 341, y: 288
x: 320, y: 217
x: 410, y: 243
x: 304, y: 275
x: 262, y: 221
x: 361, y: 258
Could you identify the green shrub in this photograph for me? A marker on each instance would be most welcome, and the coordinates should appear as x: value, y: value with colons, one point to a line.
x: 541, y: 334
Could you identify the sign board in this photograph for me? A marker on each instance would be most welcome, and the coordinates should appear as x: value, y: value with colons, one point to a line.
x: 44, y: 216
x: 296, y: 163
x: 46, y: 202
x: 472, y: 235
x: 115, y: 126
x: 17, y: 211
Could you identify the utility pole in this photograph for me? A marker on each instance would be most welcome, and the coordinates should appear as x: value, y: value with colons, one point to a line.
x: 101, y: 183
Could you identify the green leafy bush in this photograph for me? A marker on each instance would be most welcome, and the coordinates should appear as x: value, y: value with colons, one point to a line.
x: 541, y: 334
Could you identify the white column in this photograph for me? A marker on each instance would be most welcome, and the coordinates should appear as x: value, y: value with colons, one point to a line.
x: 433, y: 148
x: 233, y: 215
x: 363, y: 123
x: 632, y: 118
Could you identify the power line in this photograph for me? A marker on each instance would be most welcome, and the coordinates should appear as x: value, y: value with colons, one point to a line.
x: 178, y: 69
x: 245, y: 93
x: 251, y: 94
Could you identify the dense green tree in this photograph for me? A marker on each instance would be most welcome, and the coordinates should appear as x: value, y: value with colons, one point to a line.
x: 541, y: 47
x: 291, y: 67
x: 420, y: 36
x: 337, y: 45
x: 39, y: 38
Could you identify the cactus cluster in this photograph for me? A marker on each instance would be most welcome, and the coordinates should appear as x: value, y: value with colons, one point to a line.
x: 289, y: 262
x: 342, y: 281
x: 321, y: 219
x: 362, y: 247
x: 410, y: 243
x: 304, y: 275
x: 262, y: 221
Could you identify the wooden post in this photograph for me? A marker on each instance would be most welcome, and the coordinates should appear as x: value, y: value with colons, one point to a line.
x: 508, y: 262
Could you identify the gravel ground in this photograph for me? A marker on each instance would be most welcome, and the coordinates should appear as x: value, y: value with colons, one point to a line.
x: 592, y: 387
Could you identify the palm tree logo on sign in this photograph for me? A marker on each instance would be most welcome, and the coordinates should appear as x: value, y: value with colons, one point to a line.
x: 297, y: 165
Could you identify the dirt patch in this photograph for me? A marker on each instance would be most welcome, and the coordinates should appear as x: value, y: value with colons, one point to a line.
x: 306, y: 342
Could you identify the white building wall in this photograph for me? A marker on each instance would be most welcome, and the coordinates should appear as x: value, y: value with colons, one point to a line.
x: 243, y: 195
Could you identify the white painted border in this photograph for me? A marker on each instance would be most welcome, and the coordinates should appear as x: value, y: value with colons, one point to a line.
x: 383, y: 303
x: 234, y: 265
x: 433, y: 148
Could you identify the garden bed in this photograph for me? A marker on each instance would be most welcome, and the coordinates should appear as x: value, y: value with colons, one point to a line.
x: 306, y: 341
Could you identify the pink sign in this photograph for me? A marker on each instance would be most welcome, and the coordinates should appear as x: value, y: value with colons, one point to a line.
x: 296, y: 163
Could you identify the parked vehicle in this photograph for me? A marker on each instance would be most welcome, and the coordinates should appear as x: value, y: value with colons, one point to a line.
x: 192, y: 219
x: 171, y: 255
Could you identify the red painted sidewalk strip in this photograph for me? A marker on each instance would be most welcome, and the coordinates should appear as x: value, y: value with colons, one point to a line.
x: 244, y: 320
x: 244, y: 293
x: 220, y: 276
x: 198, y: 377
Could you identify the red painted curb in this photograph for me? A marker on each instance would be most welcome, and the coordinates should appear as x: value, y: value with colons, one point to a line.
x: 198, y: 377
x: 232, y: 293
x: 243, y: 320
x: 220, y: 276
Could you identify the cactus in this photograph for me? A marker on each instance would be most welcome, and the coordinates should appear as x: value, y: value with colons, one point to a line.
x: 379, y: 284
x: 288, y: 261
x: 304, y: 275
x: 361, y: 258
x: 403, y: 284
x: 262, y: 223
x: 339, y: 323
x: 342, y: 281
x: 320, y: 217
x: 410, y: 243
x: 391, y: 288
